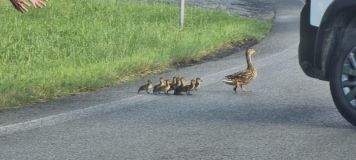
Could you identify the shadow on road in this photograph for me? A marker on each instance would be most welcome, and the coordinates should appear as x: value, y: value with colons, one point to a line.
x: 254, y: 114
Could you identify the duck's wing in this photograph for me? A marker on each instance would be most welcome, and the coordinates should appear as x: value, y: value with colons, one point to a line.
x: 236, y: 75
x: 242, y: 77
x: 231, y: 79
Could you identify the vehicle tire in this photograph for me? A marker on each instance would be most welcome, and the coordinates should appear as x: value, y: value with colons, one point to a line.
x: 342, y: 74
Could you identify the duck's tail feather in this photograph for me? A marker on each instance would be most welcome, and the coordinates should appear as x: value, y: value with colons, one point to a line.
x: 228, y: 81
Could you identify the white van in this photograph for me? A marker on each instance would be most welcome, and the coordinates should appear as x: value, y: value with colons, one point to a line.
x: 327, y: 49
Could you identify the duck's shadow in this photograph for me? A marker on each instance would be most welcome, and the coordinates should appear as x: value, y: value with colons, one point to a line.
x: 261, y: 113
x: 290, y: 115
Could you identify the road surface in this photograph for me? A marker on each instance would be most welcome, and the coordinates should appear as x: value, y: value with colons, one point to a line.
x: 287, y: 116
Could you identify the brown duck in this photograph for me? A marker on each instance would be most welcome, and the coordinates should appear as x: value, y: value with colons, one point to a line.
x: 146, y: 87
x: 198, y: 83
x: 185, y: 88
x: 174, y: 84
x: 167, y: 87
x: 158, y: 86
x: 244, y: 77
x: 164, y: 88
x: 179, y: 85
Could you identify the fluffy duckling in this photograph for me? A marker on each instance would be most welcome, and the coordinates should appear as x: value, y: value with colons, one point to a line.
x: 187, y: 88
x: 244, y: 77
x: 190, y: 87
x: 167, y: 87
x: 164, y: 88
x: 198, y: 83
x: 179, y: 86
x: 161, y: 84
x: 183, y: 82
x: 147, y: 87
x: 174, y: 84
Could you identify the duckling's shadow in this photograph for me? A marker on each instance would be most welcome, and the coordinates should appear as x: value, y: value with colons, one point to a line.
x: 227, y: 92
x: 179, y: 95
x: 163, y: 94
x: 281, y: 114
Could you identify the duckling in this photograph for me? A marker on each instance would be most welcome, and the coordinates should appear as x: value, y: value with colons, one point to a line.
x: 165, y: 87
x: 179, y: 86
x: 161, y: 84
x: 244, y: 77
x: 190, y: 87
x: 198, y: 83
x: 187, y: 88
x: 174, y: 84
x: 182, y: 81
x: 147, y: 87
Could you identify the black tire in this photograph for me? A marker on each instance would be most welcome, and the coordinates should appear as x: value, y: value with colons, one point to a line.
x: 342, y: 74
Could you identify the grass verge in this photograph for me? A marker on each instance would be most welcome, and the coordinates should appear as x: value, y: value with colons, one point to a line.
x: 76, y: 46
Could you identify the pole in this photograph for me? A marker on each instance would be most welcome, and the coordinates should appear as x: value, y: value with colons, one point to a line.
x: 181, y: 18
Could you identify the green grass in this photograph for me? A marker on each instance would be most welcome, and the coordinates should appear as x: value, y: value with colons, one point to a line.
x: 75, y: 46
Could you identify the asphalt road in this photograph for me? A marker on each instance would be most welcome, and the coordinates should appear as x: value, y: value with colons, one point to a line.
x: 287, y: 116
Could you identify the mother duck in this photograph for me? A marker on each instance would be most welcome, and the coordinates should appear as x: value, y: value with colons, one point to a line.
x: 244, y: 77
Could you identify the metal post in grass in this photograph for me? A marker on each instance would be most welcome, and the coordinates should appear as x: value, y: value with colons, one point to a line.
x: 181, y: 18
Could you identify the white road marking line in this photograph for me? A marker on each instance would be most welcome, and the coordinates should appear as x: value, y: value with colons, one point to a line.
x: 69, y: 116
